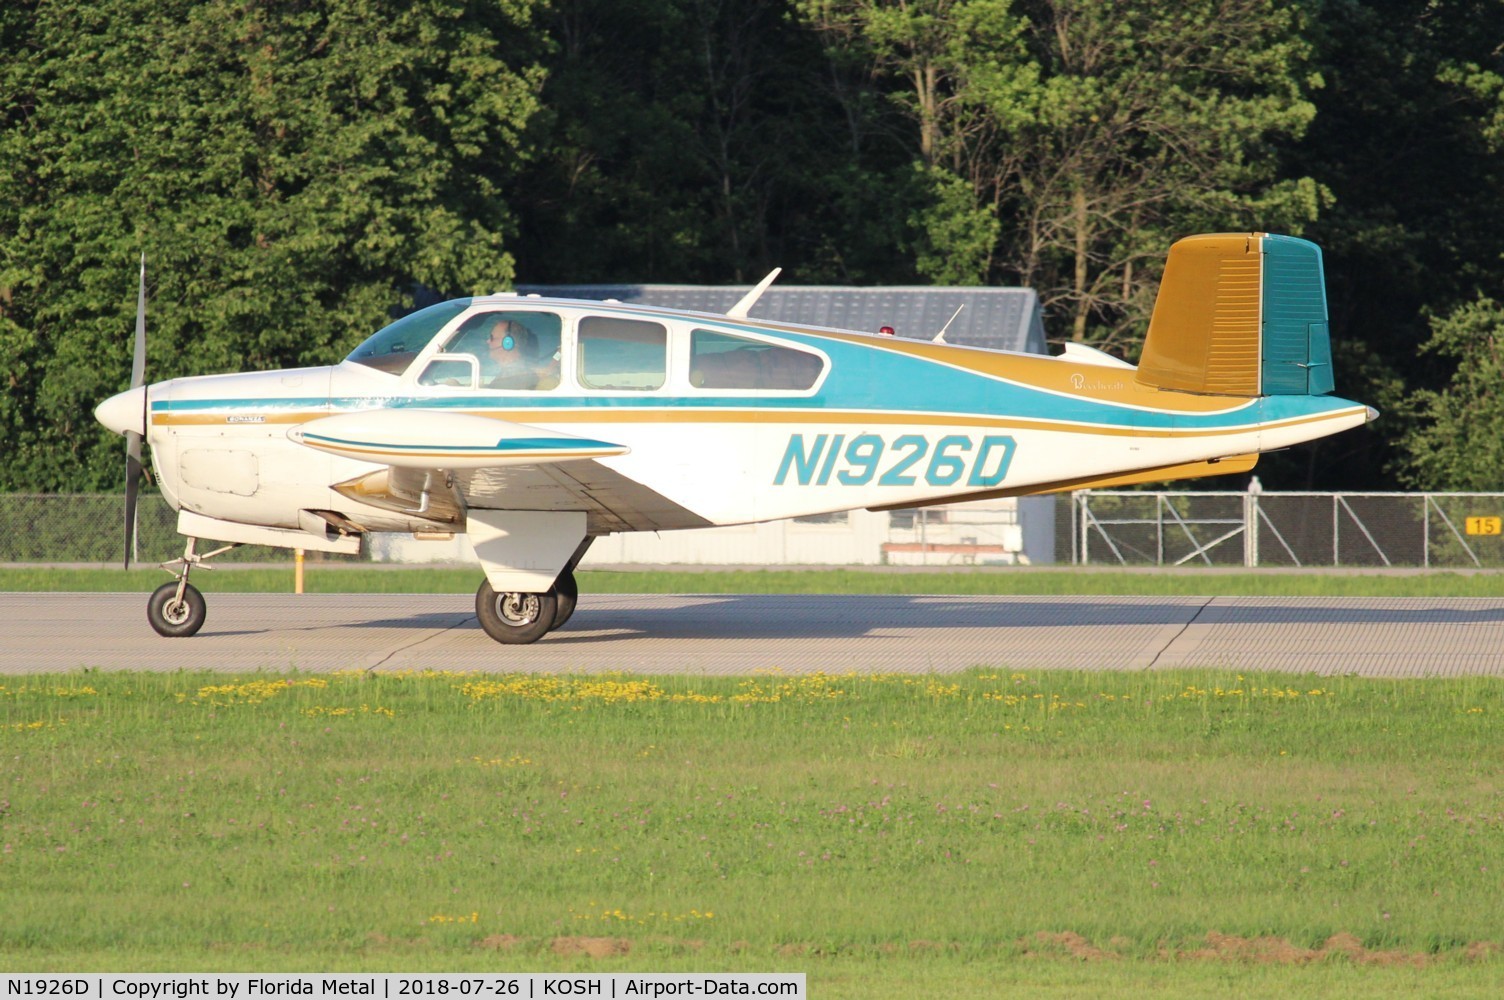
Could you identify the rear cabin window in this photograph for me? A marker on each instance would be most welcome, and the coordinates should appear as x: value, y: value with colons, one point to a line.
x: 627, y: 354
x: 722, y: 361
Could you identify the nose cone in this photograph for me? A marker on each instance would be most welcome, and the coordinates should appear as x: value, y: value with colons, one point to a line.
x: 125, y: 411
x: 1372, y: 414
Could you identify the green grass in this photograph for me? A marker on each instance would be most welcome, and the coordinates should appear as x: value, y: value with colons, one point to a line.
x: 347, y: 578
x: 1062, y: 834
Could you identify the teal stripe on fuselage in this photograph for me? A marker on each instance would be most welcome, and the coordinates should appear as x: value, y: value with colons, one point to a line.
x: 504, y: 445
x: 862, y: 378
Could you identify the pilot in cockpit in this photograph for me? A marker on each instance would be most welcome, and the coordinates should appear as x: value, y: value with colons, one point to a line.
x: 511, y: 360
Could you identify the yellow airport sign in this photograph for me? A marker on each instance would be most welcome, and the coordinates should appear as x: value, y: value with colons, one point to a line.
x: 1485, y: 525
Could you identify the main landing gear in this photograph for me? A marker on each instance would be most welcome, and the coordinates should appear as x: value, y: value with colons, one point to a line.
x: 177, y: 609
x: 516, y: 618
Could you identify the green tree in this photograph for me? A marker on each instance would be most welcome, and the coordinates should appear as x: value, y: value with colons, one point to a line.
x: 700, y: 141
x: 293, y: 172
x: 958, y: 73
x: 1458, y: 446
x: 1405, y: 136
x: 1070, y: 141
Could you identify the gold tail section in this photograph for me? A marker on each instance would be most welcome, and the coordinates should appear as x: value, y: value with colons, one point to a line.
x: 1204, y: 335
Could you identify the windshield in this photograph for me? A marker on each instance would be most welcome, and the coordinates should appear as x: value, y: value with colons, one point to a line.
x: 393, y: 347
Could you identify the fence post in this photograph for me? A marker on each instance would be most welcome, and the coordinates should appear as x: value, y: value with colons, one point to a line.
x: 1085, y: 496
x: 1336, y: 532
x: 1074, y: 514
x: 1425, y: 558
x: 1159, y: 528
x: 1251, y: 523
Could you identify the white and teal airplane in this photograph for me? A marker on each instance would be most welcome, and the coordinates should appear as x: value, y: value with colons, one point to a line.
x: 534, y: 425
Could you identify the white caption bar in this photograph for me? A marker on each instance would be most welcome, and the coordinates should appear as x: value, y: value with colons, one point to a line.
x: 389, y: 986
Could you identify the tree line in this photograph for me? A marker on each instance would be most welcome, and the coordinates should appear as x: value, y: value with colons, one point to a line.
x: 298, y: 173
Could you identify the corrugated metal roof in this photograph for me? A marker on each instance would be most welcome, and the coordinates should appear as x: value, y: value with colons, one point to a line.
x: 1007, y: 319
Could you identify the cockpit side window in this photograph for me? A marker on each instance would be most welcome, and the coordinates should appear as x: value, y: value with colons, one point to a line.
x: 722, y: 361
x: 510, y: 349
x: 393, y: 347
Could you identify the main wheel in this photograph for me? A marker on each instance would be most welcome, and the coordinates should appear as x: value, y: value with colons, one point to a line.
x: 172, y: 617
x: 567, y: 591
x: 515, y: 618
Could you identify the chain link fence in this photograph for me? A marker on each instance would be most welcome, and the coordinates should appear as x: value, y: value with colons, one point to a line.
x: 90, y: 527
x: 1111, y: 528
x: 1430, y: 530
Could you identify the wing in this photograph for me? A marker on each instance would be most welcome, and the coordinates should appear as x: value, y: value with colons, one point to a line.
x: 441, y: 465
x: 425, y: 439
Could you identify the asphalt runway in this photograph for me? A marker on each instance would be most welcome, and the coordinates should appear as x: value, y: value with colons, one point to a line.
x: 735, y: 634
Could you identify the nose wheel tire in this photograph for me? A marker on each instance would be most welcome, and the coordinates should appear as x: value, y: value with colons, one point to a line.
x: 173, y: 617
x: 515, y: 618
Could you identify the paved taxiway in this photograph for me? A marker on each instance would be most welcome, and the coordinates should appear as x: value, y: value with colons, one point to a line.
x: 721, y: 634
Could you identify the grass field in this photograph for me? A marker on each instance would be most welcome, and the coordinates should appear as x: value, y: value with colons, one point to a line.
x: 356, y: 578
x: 1049, y: 834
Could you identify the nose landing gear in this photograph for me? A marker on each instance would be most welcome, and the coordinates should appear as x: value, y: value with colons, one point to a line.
x: 177, y: 610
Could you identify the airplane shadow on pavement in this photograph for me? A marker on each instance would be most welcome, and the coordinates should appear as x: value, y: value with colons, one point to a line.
x: 613, y: 618
x: 827, y: 616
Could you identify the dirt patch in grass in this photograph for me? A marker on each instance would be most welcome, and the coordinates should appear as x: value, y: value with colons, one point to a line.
x: 1065, y: 944
x: 1482, y: 951
x: 1267, y: 950
x: 592, y: 947
x: 1278, y: 951
x: 1045, y: 945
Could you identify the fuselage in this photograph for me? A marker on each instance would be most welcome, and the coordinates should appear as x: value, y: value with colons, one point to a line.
x: 724, y: 420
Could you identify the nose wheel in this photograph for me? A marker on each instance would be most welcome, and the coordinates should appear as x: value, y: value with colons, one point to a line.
x: 176, y: 609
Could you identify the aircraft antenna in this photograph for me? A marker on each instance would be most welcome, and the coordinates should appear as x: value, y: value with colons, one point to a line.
x: 740, y: 310
x: 940, y: 337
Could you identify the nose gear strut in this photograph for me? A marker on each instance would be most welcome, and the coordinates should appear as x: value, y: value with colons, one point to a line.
x: 178, y: 609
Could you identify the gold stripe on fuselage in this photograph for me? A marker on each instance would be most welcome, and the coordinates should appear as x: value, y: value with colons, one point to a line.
x: 676, y: 415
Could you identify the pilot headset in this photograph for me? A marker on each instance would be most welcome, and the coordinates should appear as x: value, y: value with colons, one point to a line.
x: 508, y: 342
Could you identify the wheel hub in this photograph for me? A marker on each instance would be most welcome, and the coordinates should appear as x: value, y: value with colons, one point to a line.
x: 517, y: 609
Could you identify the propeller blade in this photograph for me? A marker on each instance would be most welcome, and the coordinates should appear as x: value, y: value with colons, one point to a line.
x: 134, y: 471
x: 138, y: 359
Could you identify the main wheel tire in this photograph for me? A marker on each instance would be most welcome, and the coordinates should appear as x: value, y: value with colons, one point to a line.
x: 172, y: 617
x: 567, y: 592
x: 515, y: 618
